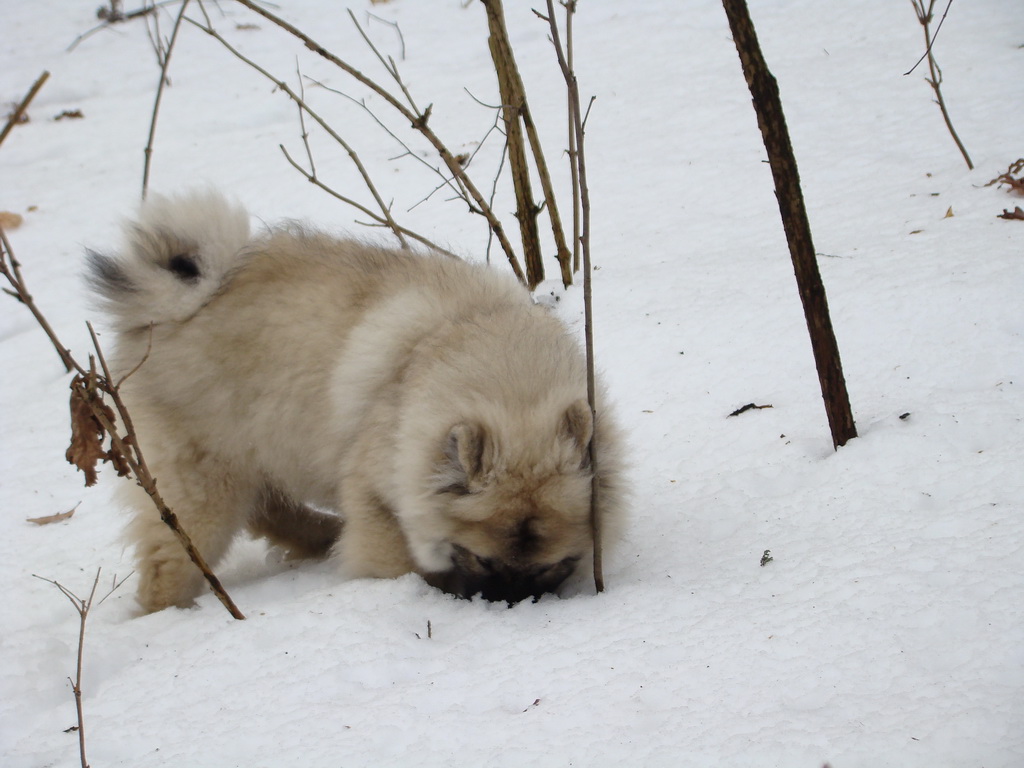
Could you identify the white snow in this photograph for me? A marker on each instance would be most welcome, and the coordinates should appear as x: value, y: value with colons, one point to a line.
x: 888, y: 630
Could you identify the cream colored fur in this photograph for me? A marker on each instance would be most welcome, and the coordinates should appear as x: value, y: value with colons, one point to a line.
x: 427, y: 401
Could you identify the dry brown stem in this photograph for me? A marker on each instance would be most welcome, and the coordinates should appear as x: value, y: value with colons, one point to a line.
x: 11, y: 269
x: 924, y: 16
x: 82, y: 606
x: 93, y: 421
x: 131, y: 454
x: 388, y: 63
x: 517, y: 109
x: 377, y: 220
x: 448, y: 181
x: 579, y: 160
x: 772, y: 122
x: 418, y: 120
x: 1012, y: 177
x: 16, y: 115
x: 384, y: 218
x: 513, y: 109
x: 165, y: 60
x: 574, y: 170
x: 116, y: 15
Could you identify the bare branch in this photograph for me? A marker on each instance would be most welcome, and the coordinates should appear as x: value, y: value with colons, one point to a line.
x: 82, y: 606
x: 572, y: 85
x: 514, y: 96
x: 302, y: 121
x: 418, y: 120
x: 573, y: 149
x: 389, y: 64
x: 166, y: 60
x: 398, y: 31
x: 304, y: 107
x: 115, y: 584
x: 145, y: 357
x: 129, y: 450
x: 88, y: 388
x: 11, y: 269
x: 494, y: 193
x: 514, y: 104
x: 446, y: 181
x: 942, y: 21
x: 15, y: 116
x: 379, y: 221
x: 113, y: 18
x: 156, y: 40
x: 924, y: 16
x: 764, y: 91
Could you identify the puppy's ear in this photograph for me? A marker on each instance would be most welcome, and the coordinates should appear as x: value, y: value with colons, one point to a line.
x: 578, y: 426
x: 463, y: 458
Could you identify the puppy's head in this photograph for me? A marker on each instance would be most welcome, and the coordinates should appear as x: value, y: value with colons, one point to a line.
x: 513, y: 510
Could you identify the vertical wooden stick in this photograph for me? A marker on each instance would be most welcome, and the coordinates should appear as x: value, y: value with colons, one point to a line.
x: 576, y: 115
x: 20, y: 109
x: 512, y: 104
x: 925, y: 15
x: 159, y: 95
x: 770, y: 118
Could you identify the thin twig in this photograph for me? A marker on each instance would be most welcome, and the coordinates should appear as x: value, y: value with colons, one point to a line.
x: 451, y: 182
x: 128, y: 447
x: 286, y: 89
x: 159, y: 95
x: 145, y: 357
x: 82, y: 606
x: 89, y: 387
x: 11, y: 269
x: 771, y: 120
x: 572, y: 84
x: 379, y: 221
x: 508, y: 72
x: 417, y: 119
x: 928, y: 50
x: 394, y: 25
x: 19, y: 110
x: 302, y: 123
x: 112, y: 19
x: 924, y: 16
x: 494, y: 193
x: 573, y: 150
x: 156, y: 40
x: 389, y: 64
x: 513, y: 102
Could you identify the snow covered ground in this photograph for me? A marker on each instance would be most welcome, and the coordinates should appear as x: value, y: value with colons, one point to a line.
x: 888, y: 630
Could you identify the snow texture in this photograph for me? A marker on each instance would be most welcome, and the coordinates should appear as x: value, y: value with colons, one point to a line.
x: 887, y: 630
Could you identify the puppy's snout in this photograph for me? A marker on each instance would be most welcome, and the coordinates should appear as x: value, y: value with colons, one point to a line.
x: 496, y: 581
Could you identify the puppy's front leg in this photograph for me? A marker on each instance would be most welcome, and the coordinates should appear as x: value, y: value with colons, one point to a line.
x: 372, y: 543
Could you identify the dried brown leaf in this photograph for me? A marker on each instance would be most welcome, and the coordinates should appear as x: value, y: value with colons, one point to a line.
x: 88, y: 434
x: 9, y: 220
x: 1016, y: 213
x: 118, y: 459
x: 748, y: 407
x: 47, y: 519
x: 1015, y: 183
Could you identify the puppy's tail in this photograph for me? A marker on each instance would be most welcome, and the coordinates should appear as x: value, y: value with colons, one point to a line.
x: 177, y: 255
